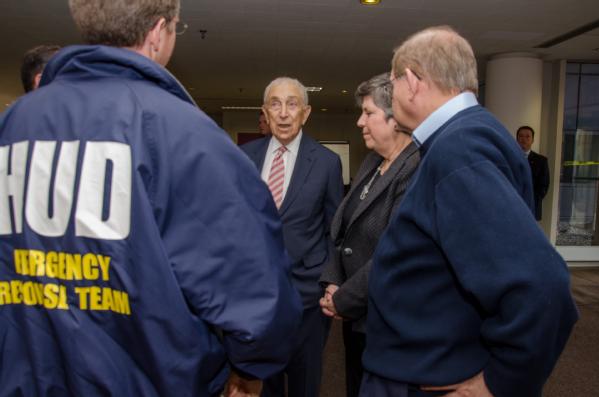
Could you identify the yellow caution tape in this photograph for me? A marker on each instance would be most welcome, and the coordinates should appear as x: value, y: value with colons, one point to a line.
x: 580, y: 163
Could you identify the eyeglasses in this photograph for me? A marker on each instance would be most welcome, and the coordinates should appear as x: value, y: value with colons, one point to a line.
x: 276, y: 105
x: 180, y: 28
x: 393, y: 78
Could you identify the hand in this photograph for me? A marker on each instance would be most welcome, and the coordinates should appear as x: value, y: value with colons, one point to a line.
x: 326, y: 302
x: 473, y: 387
x: 239, y: 387
x: 331, y: 289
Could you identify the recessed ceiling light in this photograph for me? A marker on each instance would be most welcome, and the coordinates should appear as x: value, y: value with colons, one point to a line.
x: 241, y: 107
x: 313, y: 89
x: 370, y: 2
x: 344, y: 91
x: 324, y: 109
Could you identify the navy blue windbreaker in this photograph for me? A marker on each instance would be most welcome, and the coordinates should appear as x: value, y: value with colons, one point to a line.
x: 140, y: 252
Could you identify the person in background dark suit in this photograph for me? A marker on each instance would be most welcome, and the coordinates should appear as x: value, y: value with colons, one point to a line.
x: 263, y: 125
x: 34, y: 62
x: 362, y: 216
x: 538, y: 167
x: 305, y: 180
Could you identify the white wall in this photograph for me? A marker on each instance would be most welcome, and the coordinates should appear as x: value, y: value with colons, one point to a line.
x: 552, y: 133
x: 514, y: 91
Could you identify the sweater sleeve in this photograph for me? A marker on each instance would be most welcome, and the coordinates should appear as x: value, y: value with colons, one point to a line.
x: 333, y: 271
x: 502, y: 259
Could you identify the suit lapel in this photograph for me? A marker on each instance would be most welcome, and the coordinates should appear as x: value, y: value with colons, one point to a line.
x: 532, y: 159
x: 384, y: 181
x: 303, y: 165
x: 259, y: 154
x: 371, y: 162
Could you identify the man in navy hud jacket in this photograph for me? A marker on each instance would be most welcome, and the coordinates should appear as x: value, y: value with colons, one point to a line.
x: 141, y: 253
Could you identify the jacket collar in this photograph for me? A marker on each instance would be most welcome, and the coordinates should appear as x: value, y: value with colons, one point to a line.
x: 301, y: 170
x: 104, y: 61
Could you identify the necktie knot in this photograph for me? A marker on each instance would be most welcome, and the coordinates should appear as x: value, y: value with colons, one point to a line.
x: 281, y: 150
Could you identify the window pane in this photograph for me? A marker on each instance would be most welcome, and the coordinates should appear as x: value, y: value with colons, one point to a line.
x: 571, y: 102
x: 579, y: 180
x: 592, y: 68
x: 588, y: 114
x: 573, y: 68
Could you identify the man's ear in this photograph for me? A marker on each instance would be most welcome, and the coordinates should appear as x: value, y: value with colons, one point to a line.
x: 265, y: 113
x: 307, y: 110
x: 153, y: 39
x: 413, y: 81
x: 36, y: 80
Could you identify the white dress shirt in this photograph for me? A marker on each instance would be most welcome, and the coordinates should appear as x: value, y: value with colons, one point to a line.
x: 289, y: 158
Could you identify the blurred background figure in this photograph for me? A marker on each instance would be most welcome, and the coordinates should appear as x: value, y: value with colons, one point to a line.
x: 263, y: 125
x: 34, y: 62
x: 362, y: 216
x: 538, y: 167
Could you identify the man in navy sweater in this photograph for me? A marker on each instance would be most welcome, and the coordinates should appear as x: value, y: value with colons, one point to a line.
x: 468, y: 298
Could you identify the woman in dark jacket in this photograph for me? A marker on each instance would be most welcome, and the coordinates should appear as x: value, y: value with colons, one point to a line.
x: 362, y: 217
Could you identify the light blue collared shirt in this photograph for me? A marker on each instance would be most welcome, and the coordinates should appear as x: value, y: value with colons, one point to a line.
x: 440, y: 116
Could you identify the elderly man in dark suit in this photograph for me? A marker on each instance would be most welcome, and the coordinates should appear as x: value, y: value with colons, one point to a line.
x: 538, y: 167
x: 305, y: 180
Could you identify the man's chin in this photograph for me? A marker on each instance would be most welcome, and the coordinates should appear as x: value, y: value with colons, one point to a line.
x: 285, y: 135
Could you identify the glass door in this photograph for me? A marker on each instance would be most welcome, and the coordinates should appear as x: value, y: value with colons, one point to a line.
x: 578, y: 223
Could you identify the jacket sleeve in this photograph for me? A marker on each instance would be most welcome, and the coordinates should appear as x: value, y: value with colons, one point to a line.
x: 519, y: 283
x: 351, y: 299
x: 333, y: 197
x: 332, y: 272
x: 224, y: 239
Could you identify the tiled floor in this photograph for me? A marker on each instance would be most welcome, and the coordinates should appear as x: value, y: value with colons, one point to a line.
x: 585, y: 285
x: 576, y: 374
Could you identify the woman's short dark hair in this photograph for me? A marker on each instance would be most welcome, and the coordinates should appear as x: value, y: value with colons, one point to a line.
x: 380, y: 89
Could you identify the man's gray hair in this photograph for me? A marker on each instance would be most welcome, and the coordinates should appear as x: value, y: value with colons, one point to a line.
x: 441, y: 55
x: 280, y: 80
x: 120, y: 23
x: 380, y: 89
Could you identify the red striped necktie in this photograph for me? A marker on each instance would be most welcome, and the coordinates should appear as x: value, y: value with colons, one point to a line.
x: 276, y: 178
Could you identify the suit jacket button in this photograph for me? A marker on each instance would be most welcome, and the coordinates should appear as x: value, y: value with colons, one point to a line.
x: 347, y: 251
